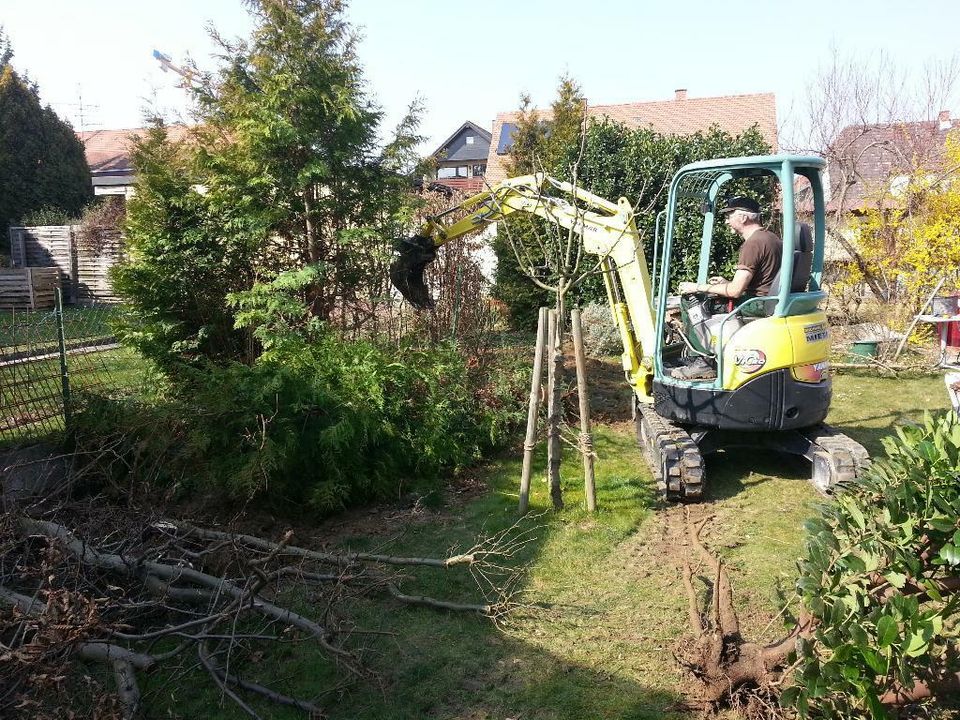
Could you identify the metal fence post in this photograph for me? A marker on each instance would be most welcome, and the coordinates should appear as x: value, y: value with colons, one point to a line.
x: 64, y: 373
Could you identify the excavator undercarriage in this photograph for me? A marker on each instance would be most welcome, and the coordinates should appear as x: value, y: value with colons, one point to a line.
x: 675, y: 453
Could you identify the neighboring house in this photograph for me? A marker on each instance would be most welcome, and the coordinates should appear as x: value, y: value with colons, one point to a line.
x: 462, y: 159
x: 870, y: 164
x: 108, y: 155
x: 680, y: 116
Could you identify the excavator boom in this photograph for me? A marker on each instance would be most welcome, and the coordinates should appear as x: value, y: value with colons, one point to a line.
x: 608, y: 230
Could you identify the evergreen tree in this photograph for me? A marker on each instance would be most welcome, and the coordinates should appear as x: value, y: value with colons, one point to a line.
x: 42, y: 163
x: 285, y: 152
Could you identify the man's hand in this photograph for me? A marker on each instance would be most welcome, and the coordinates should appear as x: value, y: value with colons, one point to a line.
x: 688, y: 288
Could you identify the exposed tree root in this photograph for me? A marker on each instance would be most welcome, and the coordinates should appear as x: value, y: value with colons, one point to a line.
x: 734, y: 673
x: 730, y: 671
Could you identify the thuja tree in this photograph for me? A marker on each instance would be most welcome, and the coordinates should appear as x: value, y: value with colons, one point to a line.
x: 281, y: 172
x: 42, y: 164
x: 184, y: 257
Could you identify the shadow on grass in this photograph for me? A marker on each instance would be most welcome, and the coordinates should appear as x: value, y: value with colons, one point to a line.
x: 731, y: 472
x: 552, y: 659
x: 869, y: 430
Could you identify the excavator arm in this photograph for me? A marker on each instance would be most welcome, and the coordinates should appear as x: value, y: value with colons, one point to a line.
x: 607, y: 229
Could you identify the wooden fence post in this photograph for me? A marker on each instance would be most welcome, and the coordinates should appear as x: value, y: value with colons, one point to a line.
x: 586, y: 436
x: 553, y: 409
x: 533, y: 409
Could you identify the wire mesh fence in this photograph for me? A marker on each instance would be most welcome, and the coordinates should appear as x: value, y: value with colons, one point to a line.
x: 51, y: 358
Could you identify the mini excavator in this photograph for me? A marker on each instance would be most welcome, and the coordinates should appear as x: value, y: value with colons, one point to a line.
x: 771, y: 384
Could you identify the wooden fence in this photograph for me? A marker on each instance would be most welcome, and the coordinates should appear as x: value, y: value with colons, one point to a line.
x: 28, y: 288
x: 84, y: 266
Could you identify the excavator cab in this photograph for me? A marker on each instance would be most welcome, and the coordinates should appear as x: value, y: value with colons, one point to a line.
x: 767, y: 355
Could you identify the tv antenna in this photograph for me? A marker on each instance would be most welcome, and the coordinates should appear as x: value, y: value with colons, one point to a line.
x: 80, y: 111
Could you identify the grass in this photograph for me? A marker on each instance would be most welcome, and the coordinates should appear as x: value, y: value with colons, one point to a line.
x: 31, y: 393
x: 602, y: 648
x: 38, y: 329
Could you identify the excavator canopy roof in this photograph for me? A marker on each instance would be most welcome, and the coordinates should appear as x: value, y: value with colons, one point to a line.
x: 756, y: 161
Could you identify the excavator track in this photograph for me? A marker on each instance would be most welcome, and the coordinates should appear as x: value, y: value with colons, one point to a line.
x: 836, y: 458
x: 675, y: 455
x: 672, y: 454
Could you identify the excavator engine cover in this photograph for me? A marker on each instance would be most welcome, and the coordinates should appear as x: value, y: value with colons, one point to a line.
x: 406, y: 272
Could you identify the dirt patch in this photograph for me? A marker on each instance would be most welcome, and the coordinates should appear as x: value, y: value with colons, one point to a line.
x: 610, y: 395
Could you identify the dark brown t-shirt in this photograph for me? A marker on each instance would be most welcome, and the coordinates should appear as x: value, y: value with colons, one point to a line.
x: 760, y: 254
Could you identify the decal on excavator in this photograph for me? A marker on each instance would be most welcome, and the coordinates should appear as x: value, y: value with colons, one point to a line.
x: 750, y: 360
x: 813, y: 373
x: 816, y: 332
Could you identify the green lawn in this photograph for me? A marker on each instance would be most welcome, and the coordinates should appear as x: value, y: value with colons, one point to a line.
x: 37, y: 330
x: 31, y: 393
x: 613, y: 606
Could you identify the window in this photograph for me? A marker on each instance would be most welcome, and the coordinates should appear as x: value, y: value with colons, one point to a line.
x: 479, y: 170
x: 452, y: 172
x: 469, y: 139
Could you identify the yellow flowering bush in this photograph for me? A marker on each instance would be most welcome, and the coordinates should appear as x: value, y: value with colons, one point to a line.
x: 915, y: 243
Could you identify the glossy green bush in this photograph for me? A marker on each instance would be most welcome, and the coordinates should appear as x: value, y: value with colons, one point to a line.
x: 878, y: 578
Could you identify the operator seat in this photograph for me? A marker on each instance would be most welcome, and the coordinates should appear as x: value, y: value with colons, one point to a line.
x: 802, y: 261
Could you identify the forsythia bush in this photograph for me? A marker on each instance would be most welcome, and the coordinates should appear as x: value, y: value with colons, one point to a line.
x: 912, y: 239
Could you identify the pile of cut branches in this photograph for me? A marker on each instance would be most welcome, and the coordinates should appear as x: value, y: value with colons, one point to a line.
x: 148, y: 593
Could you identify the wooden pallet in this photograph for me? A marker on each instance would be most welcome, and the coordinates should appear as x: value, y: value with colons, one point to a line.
x: 28, y: 288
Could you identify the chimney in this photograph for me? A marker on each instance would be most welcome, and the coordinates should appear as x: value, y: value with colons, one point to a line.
x: 680, y: 94
x: 945, y: 123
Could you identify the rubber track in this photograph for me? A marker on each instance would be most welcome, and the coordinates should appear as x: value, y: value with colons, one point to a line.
x: 673, y: 456
x: 847, y: 456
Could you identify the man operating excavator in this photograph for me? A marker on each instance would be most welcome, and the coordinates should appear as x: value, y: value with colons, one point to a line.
x: 759, y: 260
x: 757, y: 267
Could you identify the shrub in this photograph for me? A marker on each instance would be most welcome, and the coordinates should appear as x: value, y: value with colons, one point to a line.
x: 880, y: 579
x: 600, y: 334
x: 316, y: 425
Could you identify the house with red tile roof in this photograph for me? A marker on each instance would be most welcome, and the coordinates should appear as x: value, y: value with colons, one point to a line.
x: 108, y: 155
x: 682, y: 115
x: 869, y: 164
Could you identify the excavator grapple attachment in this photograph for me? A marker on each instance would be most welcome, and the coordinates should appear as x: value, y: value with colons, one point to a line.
x: 406, y: 271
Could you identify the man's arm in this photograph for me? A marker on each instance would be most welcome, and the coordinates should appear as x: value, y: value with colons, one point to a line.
x: 731, y: 289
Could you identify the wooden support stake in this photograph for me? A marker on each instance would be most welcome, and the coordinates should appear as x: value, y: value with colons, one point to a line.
x: 586, y: 435
x: 553, y: 409
x: 533, y: 410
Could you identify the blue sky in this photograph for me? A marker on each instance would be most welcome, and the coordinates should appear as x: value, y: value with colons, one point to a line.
x: 468, y: 61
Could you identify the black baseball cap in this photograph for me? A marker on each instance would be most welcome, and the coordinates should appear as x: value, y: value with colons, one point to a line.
x: 741, y: 202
